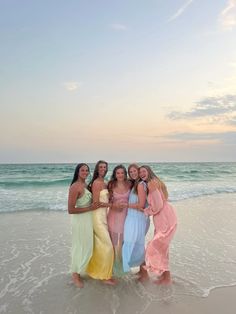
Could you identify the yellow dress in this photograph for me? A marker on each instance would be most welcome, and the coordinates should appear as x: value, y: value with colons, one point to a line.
x: 101, y: 264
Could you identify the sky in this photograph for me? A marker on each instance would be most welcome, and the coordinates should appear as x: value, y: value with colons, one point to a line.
x: 121, y: 80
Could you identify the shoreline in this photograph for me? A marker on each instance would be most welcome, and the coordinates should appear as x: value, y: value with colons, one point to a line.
x: 174, y: 202
x: 35, y: 259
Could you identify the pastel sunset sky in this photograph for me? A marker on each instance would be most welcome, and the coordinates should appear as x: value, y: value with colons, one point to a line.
x: 122, y: 80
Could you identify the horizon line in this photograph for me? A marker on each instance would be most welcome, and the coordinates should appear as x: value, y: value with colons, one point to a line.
x: 112, y: 162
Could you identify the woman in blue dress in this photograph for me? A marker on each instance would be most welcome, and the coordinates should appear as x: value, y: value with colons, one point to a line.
x: 136, y: 225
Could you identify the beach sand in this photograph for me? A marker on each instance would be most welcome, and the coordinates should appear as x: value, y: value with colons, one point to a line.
x: 35, y: 261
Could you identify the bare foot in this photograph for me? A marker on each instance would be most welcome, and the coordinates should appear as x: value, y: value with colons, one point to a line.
x: 143, y: 277
x: 111, y: 282
x: 166, y: 282
x: 158, y: 281
x: 143, y: 274
x: 165, y: 279
x: 77, y: 280
x: 139, y: 273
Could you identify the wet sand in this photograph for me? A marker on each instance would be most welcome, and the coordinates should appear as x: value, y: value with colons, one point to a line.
x: 35, y: 259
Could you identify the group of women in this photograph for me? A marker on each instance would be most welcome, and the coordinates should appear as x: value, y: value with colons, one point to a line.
x: 110, y: 221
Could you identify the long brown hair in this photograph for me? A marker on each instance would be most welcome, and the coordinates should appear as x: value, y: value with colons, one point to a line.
x: 113, y: 181
x: 151, y: 175
x: 96, y: 174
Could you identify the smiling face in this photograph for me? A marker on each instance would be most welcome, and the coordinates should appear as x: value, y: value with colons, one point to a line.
x: 102, y: 170
x: 83, y: 172
x: 143, y: 174
x: 120, y: 175
x: 133, y: 173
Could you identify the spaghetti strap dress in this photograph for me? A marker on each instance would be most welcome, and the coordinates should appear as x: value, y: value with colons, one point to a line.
x: 82, y: 235
x: 101, y: 263
x: 135, y: 229
x: 116, y: 220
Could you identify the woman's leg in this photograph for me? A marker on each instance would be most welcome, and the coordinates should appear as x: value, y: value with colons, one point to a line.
x: 165, y: 279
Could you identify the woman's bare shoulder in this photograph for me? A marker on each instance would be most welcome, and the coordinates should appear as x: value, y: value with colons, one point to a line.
x: 98, y: 185
x: 76, y: 188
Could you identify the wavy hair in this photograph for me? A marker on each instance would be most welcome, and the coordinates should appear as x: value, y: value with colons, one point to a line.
x: 134, y: 183
x: 160, y: 183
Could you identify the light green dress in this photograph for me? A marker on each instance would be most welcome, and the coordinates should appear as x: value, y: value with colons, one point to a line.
x: 82, y: 235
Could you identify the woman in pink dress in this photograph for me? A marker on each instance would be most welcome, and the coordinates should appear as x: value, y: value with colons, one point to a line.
x: 165, y: 223
x: 119, y: 189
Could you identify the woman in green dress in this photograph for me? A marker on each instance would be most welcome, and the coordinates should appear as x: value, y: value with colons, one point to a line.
x: 80, y: 206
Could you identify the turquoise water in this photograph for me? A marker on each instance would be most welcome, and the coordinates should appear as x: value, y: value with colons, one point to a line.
x: 45, y: 186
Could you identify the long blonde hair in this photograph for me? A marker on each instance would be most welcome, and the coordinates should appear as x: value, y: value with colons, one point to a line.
x: 134, y: 183
x: 160, y: 184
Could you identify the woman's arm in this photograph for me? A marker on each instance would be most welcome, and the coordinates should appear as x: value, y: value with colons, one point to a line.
x: 97, y: 187
x: 142, y: 195
x: 155, y: 200
x: 74, y: 193
x: 119, y: 206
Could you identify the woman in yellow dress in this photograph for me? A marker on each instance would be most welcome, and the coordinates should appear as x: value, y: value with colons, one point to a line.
x: 101, y: 264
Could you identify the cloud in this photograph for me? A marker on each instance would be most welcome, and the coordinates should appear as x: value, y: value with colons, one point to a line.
x: 119, y: 27
x: 232, y: 120
x: 227, y: 18
x: 220, y: 109
x: 225, y: 137
x: 72, y: 86
x: 180, y: 11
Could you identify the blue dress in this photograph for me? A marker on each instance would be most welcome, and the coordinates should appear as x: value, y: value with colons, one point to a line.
x: 135, y: 229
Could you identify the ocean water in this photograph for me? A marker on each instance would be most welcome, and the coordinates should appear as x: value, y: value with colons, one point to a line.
x: 45, y: 186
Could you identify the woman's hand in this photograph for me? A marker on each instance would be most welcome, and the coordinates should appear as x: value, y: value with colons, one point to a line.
x: 119, y: 206
x: 136, y: 206
x: 104, y: 205
x: 95, y: 205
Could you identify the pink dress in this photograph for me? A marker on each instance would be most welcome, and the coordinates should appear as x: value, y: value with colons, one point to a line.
x: 116, y: 221
x: 165, y: 223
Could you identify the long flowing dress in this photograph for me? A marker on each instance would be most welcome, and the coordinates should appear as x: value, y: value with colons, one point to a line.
x: 82, y: 235
x: 101, y: 263
x: 165, y: 223
x: 116, y: 220
x: 135, y: 229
